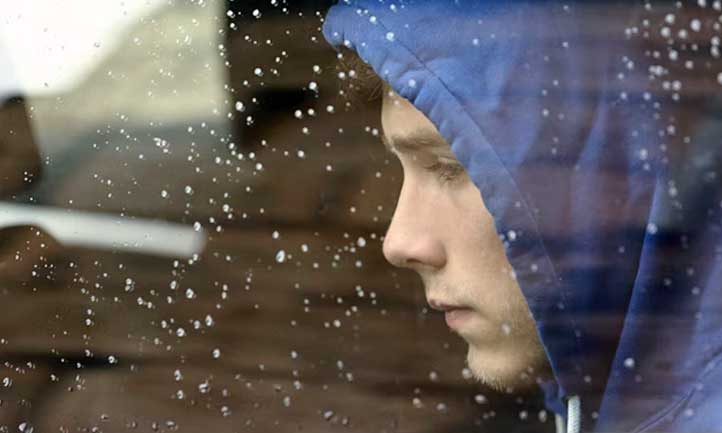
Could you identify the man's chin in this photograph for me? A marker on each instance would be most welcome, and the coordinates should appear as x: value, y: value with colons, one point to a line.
x: 499, y: 371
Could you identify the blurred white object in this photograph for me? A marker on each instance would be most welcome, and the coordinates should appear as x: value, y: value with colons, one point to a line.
x: 53, y: 45
x: 109, y: 232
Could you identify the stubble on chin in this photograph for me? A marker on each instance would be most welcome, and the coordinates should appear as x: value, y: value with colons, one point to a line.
x: 521, y: 372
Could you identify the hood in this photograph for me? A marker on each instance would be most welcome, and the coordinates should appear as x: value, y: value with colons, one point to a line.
x: 609, y: 210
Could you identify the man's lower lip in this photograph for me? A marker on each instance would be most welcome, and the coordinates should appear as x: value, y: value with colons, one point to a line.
x: 457, y: 317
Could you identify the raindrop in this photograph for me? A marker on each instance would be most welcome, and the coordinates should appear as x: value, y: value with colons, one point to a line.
x: 281, y: 256
x: 652, y: 228
x: 629, y: 363
x: 240, y: 107
x: 180, y: 332
x: 361, y: 242
x: 505, y: 328
x: 216, y: 353
x: 480, y: 399
x: 695, y: 25
x: 188, y: 190
x: 390, y: 36
x: 164, y: 194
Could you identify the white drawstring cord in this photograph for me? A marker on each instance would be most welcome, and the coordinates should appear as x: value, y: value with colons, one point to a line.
x: 574, y: 412
x: 574, y: 419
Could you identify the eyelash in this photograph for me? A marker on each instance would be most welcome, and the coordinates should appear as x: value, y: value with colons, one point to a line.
x: 446, y: 172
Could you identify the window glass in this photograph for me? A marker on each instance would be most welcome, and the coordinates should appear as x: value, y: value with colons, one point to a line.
x: 377, y: 216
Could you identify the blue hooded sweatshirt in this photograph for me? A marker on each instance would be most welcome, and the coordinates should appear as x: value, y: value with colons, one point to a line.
x: 608, y: 202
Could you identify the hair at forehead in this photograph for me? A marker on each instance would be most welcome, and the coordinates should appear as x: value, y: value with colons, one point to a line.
x: 359, y: 82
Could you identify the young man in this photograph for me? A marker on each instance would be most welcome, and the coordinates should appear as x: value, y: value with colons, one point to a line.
x: 542, y: 205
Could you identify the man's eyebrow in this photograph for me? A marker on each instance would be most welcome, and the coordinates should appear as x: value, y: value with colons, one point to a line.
x: 414, y: 142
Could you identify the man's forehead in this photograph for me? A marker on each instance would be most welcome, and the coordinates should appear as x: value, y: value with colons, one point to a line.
x: 408, y: 130
x: 421, y: 140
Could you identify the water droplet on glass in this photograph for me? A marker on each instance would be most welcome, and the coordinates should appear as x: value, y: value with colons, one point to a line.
x: 480, y: 399
x: 505, y: 328
x: 629, y: 363
x: 652, y: 228
x: 281, y: 256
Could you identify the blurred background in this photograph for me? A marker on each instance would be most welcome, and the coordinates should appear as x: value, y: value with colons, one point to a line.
x: 191, y: 225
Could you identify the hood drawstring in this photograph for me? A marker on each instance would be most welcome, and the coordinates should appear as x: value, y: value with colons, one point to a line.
x: 573, y: 422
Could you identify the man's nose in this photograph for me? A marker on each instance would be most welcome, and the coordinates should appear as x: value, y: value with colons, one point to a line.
x: 415, y: 237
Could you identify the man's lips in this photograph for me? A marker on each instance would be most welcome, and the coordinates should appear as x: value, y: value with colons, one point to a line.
x: 455, y: 315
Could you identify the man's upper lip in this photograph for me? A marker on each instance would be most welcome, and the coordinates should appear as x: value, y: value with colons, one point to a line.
x: 444, y: 306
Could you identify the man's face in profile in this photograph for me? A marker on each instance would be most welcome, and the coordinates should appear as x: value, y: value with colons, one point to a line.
x: 442, y: 230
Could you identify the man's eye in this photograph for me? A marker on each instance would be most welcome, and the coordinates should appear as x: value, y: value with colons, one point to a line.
x: 447, y: 172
